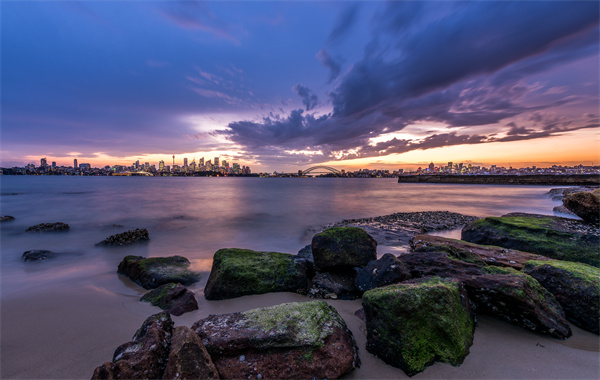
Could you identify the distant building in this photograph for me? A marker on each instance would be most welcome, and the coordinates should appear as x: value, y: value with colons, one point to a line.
x: 75, y: 164
x: 431, y: 167
x: 161, y: 165
x: 185, y: 163
x: 54, y: 164
x: 85, y: 166
x: 43, y: 162
x: 216, y: 162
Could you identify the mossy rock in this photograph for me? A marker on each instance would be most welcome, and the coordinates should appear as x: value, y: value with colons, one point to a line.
x: 585, y: 204
x: 343, y: 247
x: 150, y: 273
x: 286, y: 341
x: 576, y: 287
x: 174, y: 298
x: 414, y: 324
x: 239, y: 272
x: 543, y: 235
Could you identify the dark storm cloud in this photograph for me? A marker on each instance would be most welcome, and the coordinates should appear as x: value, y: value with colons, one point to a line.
x: 333, y: 66
x: 309, y: 99
x: 462, y: 65
x: 345, y: 21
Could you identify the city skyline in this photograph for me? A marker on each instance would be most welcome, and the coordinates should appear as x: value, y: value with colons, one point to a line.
x: 285, y: 86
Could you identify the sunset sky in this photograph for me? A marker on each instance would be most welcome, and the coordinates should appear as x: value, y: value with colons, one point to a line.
x: 284, y: 86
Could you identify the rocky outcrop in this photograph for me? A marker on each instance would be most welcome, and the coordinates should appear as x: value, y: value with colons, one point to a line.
x: 343, y: 247
x: 126, y: 238
x: 576, y: 287
x: 174, y: 298
x: 188, y: 358
x: 150, y: 273
x: 585, y: 204
x: 385, y: 271
x: 519, y: 299
x: 145, y: 357
x: 553, y: 237
x: 45, y: 227
x: 417, y: 323
x: 238, y: 272
x: 473, y: 253
x: 422, y: 264
x: 287, y: 341
x: 37, y: 255
x: 6, y: 218
x: 335, y: 285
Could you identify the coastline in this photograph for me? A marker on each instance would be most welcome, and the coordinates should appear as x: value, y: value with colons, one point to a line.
x: 496, y: 179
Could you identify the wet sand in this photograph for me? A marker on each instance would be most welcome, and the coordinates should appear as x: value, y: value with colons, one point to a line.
x: 67, y: 332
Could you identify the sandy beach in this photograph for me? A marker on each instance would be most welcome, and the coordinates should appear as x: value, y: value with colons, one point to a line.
x: 67, y: 331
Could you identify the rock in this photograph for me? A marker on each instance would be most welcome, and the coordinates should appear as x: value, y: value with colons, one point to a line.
x: 422, y: 264
x: 562, y: 210
x: 239, y: 272
x: 334, y: 285
x: 417, y: 323
x: 44, y: 227
x: 473, y: 253
x: 37, y: 255
x: 551, y: 236
x: 174, y: 298
x: 576, y: 287
x: 585, y: 204
x: 188, y: 358
x: 518, y: 299
x: 145, y: 357
x: 385, y: 271
x: 6, y: 218
x: 343, y: 247
x: 288, y: 341
x: 150, y: 273
x: 126, y: 238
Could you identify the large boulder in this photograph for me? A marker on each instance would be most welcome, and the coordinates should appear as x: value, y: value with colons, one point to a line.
x: 126, y: 238
x: 174, y: 298
x: 145, y: 357
x: 343, y: 247
x: 38, y: 255
x: 385, y: 271
x: 188, y: 358
x: 554, y: 237
x: 6, y: 218
x: 288, y: 341
x: 421, y: 264
x: 334, y: 285
x: 150, y: 273
x: 576, y: 287
x: 473, y: 253
x: 239, y: 272
x: 519, y: 299
x: 585, y: 204
x: 414, y: 324
x: 45, y: 227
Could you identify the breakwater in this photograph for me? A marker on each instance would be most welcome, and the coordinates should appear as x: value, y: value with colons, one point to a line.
x: 491, y: 179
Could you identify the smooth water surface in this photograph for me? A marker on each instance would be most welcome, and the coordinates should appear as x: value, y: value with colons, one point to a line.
x: 196, y: 216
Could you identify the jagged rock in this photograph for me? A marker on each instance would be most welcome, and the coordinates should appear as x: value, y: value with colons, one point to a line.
x: 334, y: 285
x: 551, y: 236
x: 288, y: 341
x: 385, y: 271
x: 239, y: 272
x: 145, y: 357
x: 519, y: 299
x: 126, y: 238
x: 188, y: 358
x: 417, y: 323
x: 585, y: 204
x: 38, y: 255
x: 44, y: 227
x: 343, y: 247
x: 6, y: 218
x: 174, y: 298
x: 150, y: 273
x: 576, y: 287
x: 421, y: 264
x: 473, y: 253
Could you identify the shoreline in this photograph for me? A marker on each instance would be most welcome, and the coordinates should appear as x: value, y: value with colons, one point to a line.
x: 509, y: 179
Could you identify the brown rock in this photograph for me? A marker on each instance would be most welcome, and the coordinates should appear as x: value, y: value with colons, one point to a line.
x: 174, y: 298
x: 585, y: 204
x: 188, y: 358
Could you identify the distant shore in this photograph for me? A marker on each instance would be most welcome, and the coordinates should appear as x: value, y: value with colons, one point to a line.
x: 493, y: 179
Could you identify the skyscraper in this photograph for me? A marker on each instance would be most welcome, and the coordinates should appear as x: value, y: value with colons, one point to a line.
x: 43, y: 162
x: 185, y: 163
x: 216, y: 162
x: 75, y: 163
x: 161, y: 165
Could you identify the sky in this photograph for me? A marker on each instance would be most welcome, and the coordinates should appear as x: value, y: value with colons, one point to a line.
x: 283, y: 86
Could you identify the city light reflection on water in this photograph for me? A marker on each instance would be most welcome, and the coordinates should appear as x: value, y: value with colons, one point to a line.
x: 194, y: 217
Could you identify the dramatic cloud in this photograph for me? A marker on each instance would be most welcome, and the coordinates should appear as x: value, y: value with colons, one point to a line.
x: 333, y: 66
x: 345, y: 21
x: 309, y: 99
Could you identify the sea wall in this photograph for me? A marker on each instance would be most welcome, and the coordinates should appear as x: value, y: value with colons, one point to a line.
x: 550, y: 180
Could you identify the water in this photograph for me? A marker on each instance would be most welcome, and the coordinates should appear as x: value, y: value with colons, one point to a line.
x: 194, y: 217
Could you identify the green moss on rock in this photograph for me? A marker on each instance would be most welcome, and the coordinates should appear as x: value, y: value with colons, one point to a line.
x: 238, y: 272
x: 153, y: 272
x: 542, y: 235
x: 343, y: 247
x: 414, y: 324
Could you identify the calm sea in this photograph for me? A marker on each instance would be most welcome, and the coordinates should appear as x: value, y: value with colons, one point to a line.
x: 194, y: 217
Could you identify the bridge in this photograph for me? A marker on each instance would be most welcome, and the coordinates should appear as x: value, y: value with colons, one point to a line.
x: 321, y: 169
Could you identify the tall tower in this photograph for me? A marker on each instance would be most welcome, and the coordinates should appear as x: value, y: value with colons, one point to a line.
x: 173, y: 160
x: 43, y: 162
x: 185, y: 162
x: 217, y: 162
x: 75, y: 163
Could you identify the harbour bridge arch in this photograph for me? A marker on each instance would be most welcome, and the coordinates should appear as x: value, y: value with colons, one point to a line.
x: 321, y: 169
